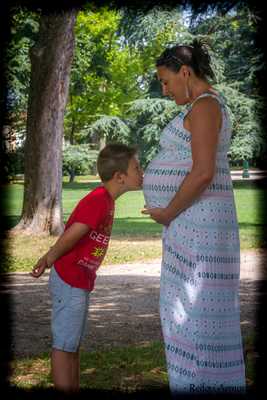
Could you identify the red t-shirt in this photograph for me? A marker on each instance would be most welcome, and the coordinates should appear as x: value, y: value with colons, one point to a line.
x: 78, y: 266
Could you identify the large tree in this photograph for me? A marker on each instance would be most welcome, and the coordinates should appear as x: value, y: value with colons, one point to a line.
x: 51, y: 58
x: 104, y: 72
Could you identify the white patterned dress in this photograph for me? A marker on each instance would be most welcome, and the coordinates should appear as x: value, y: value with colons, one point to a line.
x: 199, y: 286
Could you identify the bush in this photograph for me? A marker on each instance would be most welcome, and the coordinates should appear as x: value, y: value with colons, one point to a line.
x: 79, y: 160
x: 14, y: 164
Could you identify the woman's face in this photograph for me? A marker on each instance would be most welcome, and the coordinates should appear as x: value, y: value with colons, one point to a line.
x: 173, y: 84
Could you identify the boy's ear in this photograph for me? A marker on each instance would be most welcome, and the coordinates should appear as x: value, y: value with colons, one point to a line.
x: 119, y: 177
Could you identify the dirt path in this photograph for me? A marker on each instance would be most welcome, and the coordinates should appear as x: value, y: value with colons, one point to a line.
x: 123, y: 308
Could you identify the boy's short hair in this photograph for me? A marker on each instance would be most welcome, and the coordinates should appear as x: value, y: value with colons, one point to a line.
x: 114, y: 157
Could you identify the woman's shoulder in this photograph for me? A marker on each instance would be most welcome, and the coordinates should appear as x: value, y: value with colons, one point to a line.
x: 207, y: 107
x: 208, y: 96
x: 207, y: 101
x: 210, y: 101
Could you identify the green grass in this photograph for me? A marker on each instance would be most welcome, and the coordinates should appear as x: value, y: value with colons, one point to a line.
x: 128, y: 218
x: 23, y: 251
x: 129, y: 221
x: 135, y: 237
x: 126, y: 369
x: 250, y: 197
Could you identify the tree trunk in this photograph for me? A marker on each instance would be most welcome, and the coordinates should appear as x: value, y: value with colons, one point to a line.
x: 72, y: 176
x: 51, y: 60
x: 72, y: 131
x: 102, y: 142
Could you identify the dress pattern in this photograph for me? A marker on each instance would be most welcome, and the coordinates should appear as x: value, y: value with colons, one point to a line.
x: 200, y: 271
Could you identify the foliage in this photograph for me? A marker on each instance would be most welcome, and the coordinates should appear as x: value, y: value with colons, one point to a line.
x: 248, y: 140
x: 113, y: 129
x: 162, y: 25
x: 104, y: 74
x: 226, y: 32
x: 122, y: 65
x: 79, y: 160
x: 149, y: 33
x: 114, y: 66
x: 236, y: 68
x: 24, y: 28
x: 147, y: 118
x: 15, y: 163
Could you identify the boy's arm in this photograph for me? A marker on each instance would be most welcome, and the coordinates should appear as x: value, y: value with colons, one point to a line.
x: 64, y: 244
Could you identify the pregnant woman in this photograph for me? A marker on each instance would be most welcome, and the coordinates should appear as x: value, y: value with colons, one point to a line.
x: 188, y: 189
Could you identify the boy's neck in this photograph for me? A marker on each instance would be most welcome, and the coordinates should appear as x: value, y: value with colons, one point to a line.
x: 114, y: 190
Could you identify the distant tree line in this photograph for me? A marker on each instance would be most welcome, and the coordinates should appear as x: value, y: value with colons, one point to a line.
x: 78, y: 78
x: 113, y: 92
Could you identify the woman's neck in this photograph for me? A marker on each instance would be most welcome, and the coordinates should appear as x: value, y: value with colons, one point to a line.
x: 200, y: 87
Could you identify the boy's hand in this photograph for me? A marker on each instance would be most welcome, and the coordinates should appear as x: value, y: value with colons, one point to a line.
x: 39, y: 267
x: 64, y: 244
x: 158, y: 214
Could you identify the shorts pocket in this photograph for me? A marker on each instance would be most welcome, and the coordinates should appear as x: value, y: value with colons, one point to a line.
x: 78, y: 298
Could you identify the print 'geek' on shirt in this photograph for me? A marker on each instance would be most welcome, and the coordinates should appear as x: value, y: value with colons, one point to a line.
x: 78, y: 267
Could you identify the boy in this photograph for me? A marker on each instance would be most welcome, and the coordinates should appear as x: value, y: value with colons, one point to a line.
x: 77, y: 255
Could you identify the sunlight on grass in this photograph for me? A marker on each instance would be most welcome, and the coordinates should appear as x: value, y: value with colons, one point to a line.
x: 24, y: 250
x: 135, y: 237
x: 126, y: 368
x: 124, y: 251
x: 31, y: 372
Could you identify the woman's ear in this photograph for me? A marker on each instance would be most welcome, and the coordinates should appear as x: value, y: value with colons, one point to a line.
x: 185, y: 71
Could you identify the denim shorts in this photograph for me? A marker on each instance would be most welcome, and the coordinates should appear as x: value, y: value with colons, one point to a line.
x: 69, y: 313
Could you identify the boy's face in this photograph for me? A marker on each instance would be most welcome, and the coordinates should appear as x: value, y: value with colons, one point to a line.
x: 133, y: 179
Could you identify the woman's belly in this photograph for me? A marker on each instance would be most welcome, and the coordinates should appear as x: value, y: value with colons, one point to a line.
x: 162, y: 180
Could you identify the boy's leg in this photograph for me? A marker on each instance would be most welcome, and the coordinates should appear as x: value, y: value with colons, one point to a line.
x: 76, y: 370
x: 69, y: 316
x: 65, y: 368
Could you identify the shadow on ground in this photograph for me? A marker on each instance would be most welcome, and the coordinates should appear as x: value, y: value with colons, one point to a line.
x: 123, y: 311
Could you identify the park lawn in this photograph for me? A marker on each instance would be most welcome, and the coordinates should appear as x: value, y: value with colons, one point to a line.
x: 123, y: 369
x: 130, y: 368
x: 126, y: 368
x: 24, y: 251
x: 135, y: 237
x: 250, y: 198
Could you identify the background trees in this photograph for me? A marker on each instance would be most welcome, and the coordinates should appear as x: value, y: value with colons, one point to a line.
x: 104, y: 73
x: 113, y: 65
x: 114, y: 94
x: 124, y: 83
x: 79, y: 160
x: 238, y: 59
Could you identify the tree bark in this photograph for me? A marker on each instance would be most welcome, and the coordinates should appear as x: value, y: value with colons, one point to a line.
x: 51, y: 59
x: 102, y: 142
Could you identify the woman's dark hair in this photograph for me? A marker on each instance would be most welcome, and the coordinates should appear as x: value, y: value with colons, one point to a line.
x: 195, y: 56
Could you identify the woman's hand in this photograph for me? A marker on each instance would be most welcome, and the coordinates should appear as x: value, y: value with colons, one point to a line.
x: 160, y: 215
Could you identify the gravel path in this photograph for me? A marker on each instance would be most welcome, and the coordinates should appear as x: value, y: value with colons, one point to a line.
x: 123, y: 308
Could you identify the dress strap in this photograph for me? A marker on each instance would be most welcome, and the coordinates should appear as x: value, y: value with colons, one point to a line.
x: 215, y: 96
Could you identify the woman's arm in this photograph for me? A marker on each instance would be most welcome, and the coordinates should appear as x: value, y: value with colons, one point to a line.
x: 204, y: 125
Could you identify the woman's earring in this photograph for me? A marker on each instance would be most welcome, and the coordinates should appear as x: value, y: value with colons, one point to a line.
x: 187, y: 92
